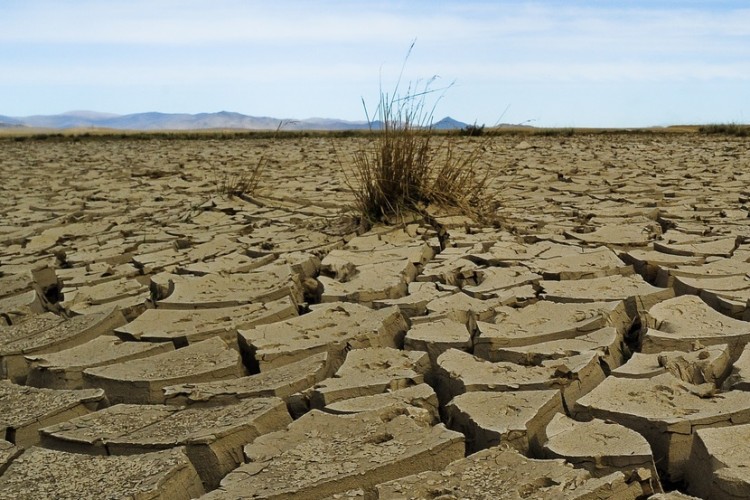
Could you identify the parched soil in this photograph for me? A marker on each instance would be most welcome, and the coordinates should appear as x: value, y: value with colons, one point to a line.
x: 160, y: 338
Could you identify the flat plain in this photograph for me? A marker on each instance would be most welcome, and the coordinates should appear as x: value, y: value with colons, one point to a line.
x: 160, y: 338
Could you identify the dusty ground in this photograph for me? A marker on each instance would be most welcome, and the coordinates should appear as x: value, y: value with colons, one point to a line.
x: 160, y: 339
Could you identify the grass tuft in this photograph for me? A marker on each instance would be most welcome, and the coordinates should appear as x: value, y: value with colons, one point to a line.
x: 408, y: 167
x: 726, y: 129
x: 472, y: 130
x: 246, y: 182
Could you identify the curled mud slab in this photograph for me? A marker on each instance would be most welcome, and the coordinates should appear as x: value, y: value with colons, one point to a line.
x: 160, y: 339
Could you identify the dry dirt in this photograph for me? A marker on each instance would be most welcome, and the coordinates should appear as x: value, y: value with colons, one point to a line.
x: 161, y: 340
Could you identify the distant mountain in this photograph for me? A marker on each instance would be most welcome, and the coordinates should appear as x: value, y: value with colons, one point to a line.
x: 448, y: 123
x: 185, y: 121
x: 7, y: 121
x: 91, y: 115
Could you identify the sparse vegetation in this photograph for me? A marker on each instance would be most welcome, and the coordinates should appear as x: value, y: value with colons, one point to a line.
x: 246, y: 182
x: 242, y: 183
x: 408, y: 166
x: 555, y: 132
x: 472, y: 130
x: 726, y: 128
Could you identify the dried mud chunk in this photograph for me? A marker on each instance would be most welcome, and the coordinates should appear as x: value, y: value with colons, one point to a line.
x: 415, y: 303
x: 27, y: 339
x: 650, y: 263
x: 694, y: 285
x: 514, y: 254
x: 493, y: 282
x: 64, y: 369
x: 637, y: 234
x: 449, y: 267
x: 40, y: 473
x: 321, y: 455
x: 80, y: 298
x: 599, y: 447
x: 733, y: 303
x: 141, y: 381
x: 183, y: 327
x: 436, y: 335
x: 158, y: 260
x: 708, y: 364
x: 17, y: 307
x: 465, y: 309
x: 8, y: 452
x: 372, y: 269
x: 736, y: 266
x: 29, y: 327
x: 372, y: 371
x: 666, y: 411
x: 42, y: 280
x: 458, y: 372
x: 739, y: 378
x: 281, y: 382
x: 381, y: 245
x: 327, y: 328
x: 584, y: 264
x: 723, y: 247
x: 680, y: 323
x: 213, y: 437
x: 672, y: 495
x: 370, y: 282
x: 606, y: 342
x: 24, y: 410
x: 640, y: 366
x: 515, y: 418
x: 91, y: 433
x: 419, y: 396
x: 411, y: 244
x: 235, y: 262
x: 728, y: 295
x: 497, y: 473
x: 545, y: 322
x: 719, y: 467
x: 265, y: 284
x: 638, y: 295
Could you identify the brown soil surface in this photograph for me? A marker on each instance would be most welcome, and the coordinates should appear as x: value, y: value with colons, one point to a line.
x: 589, y: 340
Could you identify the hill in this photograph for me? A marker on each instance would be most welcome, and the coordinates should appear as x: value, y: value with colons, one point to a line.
x: 186, y: 121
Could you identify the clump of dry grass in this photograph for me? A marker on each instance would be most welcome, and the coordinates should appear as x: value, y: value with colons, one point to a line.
x: 243, y: 183
x: 408, y: 166
x: 726, y: 128
x: 246, y: 182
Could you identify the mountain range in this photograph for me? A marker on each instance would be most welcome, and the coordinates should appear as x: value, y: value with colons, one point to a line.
x: 185, y: 121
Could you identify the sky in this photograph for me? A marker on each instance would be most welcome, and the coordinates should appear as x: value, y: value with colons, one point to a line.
x: 544, y: 63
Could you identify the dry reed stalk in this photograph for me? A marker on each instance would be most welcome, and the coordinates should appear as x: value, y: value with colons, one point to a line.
x: 404, y: 170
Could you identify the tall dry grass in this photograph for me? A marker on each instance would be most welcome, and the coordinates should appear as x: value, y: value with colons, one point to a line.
x: 244, y: 183
x: 247, y: 181
x: 735, y: 129
x: 408, y: 166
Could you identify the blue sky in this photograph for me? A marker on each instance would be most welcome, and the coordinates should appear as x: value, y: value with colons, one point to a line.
x: 547, y: 63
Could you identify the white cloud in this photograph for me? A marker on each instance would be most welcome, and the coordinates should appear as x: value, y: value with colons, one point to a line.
x: 339, y: 44
x: 164, y: 74
x: 282, y: 22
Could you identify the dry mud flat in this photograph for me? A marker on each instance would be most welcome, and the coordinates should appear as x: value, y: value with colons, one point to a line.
x: 159, y: 340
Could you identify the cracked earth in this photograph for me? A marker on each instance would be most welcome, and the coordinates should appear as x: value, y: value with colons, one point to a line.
x: 161, y: 341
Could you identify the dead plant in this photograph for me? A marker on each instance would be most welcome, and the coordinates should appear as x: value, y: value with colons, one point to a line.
x: 246, y: 182
x: 409, y: 166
